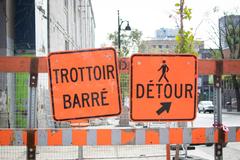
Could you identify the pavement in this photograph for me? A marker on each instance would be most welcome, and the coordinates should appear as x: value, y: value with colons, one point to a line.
x: 225, y: 111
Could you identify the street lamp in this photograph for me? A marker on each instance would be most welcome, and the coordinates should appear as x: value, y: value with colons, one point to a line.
x: 127, y: 28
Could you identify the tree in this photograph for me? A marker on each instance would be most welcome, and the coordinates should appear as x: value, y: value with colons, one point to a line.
x: 228, y: 39
x: 184, y: 38
x: 185, y: 41
x: 128, y: 42
x: 229, y: 33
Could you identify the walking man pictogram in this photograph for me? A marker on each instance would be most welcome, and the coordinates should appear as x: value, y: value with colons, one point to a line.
x: 164, y: 69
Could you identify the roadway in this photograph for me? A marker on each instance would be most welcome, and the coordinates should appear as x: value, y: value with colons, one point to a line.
x: 231, y: 151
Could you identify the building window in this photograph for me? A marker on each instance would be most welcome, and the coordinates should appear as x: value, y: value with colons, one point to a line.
x: 159, y: 46
x: 66, y: 45
x: 67, y: 21
x: 66, y: 3
x: 74, y: 10
x: 154, y: 46
x: 167, y: 46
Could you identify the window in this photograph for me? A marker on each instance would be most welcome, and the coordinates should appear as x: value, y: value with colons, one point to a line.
x: 159, y: 46
x: 74, y: 10
x: 66, y: 45
x: 66, y: 3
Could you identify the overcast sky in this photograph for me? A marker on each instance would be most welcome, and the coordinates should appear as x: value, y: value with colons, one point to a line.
x: 150, y: 15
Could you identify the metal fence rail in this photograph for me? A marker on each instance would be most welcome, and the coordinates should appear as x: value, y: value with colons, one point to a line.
x: 95, y: 137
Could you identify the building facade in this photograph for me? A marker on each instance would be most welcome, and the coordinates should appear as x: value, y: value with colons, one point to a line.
x: 205, y: 82
x: 73, y: 28
x: 166, y: 33
x: 7, y: 80
x: 35, y: 28
x: 166, y: 46
x: 165, y: 42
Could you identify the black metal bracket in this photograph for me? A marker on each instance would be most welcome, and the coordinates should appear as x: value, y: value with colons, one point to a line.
x: 34, y: 72
x: 218, y: 148
x: 31, y: 147
x: 219, y: 72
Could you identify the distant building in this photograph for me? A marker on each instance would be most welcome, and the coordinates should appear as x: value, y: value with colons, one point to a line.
x: 166, y: 46
x: 166, y: 33
x: 206, y: 53
x: 205, y: 82
x: 165, y: 42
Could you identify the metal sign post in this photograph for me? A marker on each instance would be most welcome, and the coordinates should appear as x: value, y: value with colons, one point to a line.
x: 218, y: 154
x: 31, y: 147
x: 31, y: 107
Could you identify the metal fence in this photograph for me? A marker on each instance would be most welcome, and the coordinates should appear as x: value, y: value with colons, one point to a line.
x: 15, y: 97
x: 146, y: 152
x: 14, y: 104
x: 15, y: 101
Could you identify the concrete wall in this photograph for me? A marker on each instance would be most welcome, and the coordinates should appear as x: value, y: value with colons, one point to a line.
x: 3, y: 41
x: 41, y: 34
x: 6, y: 27
x: 68, y: 26
x: 71, y: 25
x: 3, y: 21
x: 7, y: 80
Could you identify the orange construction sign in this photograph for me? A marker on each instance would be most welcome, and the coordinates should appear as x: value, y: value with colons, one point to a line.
x: 163, y: 87
x: 84, y: 84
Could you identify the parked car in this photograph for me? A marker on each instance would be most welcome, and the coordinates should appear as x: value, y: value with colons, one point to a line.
x: 206, y: 106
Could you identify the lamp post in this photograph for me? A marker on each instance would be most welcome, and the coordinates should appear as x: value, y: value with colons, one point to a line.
x: 124, y: 120
x: 127, y: 28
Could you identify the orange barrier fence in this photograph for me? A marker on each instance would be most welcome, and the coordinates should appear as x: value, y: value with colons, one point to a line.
x: 23, y: 64
x: 95, y: 137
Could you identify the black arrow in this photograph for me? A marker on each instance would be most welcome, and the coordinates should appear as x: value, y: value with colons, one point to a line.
x: 165, y: 107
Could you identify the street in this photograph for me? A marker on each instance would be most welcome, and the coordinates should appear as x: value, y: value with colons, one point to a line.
x: 231, y: 151
x: 206, y: 120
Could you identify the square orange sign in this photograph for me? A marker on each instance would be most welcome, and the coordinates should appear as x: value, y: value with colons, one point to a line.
x: 163, y: 87
x: 84, y: 84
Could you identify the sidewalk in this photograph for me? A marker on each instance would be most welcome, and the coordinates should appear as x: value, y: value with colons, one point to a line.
x: 234, y: 111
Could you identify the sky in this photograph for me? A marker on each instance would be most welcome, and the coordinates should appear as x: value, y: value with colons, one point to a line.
x: 150, y: 15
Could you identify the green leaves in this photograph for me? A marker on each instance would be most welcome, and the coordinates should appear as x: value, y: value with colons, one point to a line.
x: 177, y: 4
x: 128, y: 41
x: 231, y: 34
x: 187, y: 13
x: 184, y: 38
x: 187, y: 40
x: 184, y: 10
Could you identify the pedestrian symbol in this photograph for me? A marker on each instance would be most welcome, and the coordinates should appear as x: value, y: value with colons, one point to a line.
x: 164, y: 69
